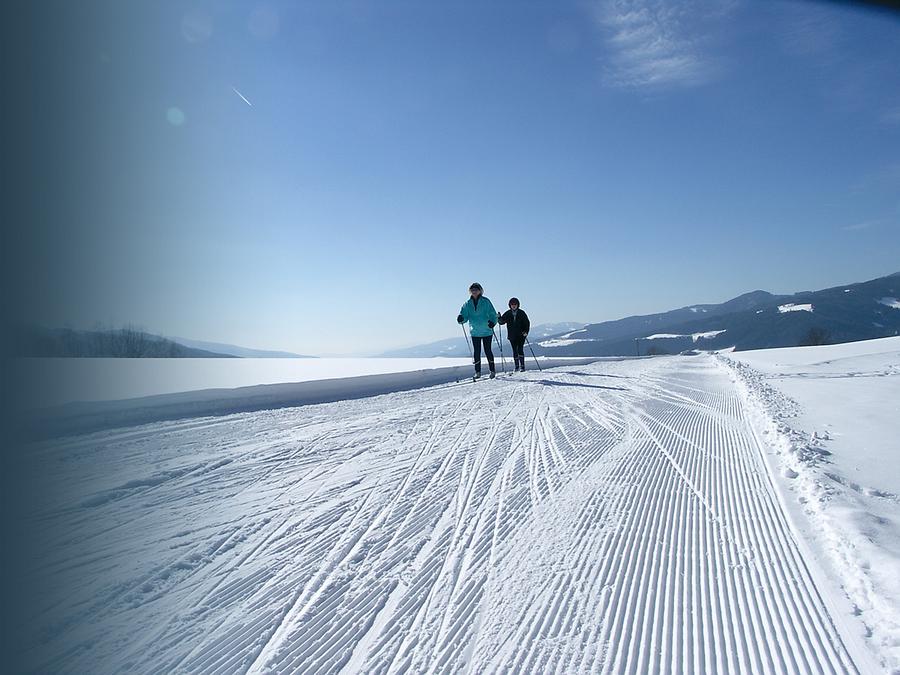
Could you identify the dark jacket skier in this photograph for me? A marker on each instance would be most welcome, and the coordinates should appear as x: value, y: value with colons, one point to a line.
x: 517, y: 327
x: 482, y: 318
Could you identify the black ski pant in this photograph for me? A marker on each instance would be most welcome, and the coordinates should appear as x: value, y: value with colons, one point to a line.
x: 477, y: 343
x: 518, y: 350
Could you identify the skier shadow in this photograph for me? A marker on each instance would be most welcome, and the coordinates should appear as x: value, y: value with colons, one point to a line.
x: 556, y: 383
x: 581, y: 374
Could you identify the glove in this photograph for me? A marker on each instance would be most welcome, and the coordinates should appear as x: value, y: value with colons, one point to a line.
x: 460, y: 319
x: 524, y: 336
x: 491, y: 325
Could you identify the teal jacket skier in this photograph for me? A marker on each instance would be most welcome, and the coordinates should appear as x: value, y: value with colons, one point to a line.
x: 482, y: 318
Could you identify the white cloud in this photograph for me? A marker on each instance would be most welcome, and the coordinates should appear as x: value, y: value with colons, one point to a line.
x: 655, y: 43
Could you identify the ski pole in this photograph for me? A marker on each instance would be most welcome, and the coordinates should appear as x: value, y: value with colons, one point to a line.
x: 468, y: 344
x: 502, y: 360
x: 532, y: 353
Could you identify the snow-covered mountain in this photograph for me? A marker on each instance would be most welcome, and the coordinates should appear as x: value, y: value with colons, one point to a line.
x: 755, y: 320
x: 545, y: 330
x: 456, y: 346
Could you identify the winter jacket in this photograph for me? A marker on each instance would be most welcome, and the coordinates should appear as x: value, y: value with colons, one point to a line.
x: 516, y: 327
x: 478, y: 316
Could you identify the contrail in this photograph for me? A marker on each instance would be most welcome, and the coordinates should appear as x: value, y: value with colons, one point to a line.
x: 243, y: 98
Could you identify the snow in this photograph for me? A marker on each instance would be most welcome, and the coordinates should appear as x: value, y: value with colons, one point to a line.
x: 100, y: 413
x: 617, y: 516
x: 574, y: 332
x: 890, y: 302
x: 791, y: 307
x: 562, y: 342
x: 832, y: 426
x: 849, y: 390
x: 66, y: 380
x: 707, y: 335
x: 694, y: 336
x: 557, y: 342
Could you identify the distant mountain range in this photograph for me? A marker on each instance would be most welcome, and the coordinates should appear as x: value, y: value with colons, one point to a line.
x: 127, y: 342
x: 235, y: 350
x: 457, y: 347
x: 108, y: 343
x: 755, y: 320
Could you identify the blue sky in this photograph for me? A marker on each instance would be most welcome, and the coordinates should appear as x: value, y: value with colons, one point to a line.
x: 596, y: 159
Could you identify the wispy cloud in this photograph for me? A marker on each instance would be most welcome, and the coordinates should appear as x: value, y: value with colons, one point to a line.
x: 883, y: 177
x: 812, y: 30
x: 864, y: 225
x: 659, y: 43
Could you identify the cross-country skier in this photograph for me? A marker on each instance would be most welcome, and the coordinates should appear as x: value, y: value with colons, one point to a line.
x: 517, y: 327
x: 482, y: 318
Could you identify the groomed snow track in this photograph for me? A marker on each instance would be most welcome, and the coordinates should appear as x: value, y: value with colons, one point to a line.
x: 616, y: 517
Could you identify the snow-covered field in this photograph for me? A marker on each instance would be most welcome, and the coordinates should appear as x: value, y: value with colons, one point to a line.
x: 96, y: 394
x: 832, y: 417
x: 694, y: 336
x: 564, y: 342
x: 614, y: 517
x: 792, y: 307
x: 66, y: 380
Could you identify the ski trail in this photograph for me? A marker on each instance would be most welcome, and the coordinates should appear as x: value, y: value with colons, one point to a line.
x: 615, y: 519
